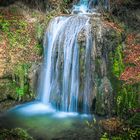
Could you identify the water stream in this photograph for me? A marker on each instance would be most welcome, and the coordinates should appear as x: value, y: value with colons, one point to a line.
x: 60, y: 79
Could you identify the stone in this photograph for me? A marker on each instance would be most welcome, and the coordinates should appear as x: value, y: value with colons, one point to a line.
x: 104, y: 98
x: 34, y: 77
x: 6, y: 105
x: 105, y: 40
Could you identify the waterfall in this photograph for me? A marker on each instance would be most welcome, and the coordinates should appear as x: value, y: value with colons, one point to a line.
x: 61, y: 85
x: 61, y: 71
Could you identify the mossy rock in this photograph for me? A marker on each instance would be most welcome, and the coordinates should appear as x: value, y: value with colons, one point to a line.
x: 4, y: 106
x: 14, y: 134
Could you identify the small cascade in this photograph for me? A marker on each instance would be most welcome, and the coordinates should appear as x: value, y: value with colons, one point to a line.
x: 61, y: 70
x: 67, y: 74
x: 89, y: 6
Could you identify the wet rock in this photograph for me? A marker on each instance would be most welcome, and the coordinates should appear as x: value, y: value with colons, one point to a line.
x: 104, y: 98
x: 9, y: 96
x: 105, y: 40
x: 7, y: 90
x: 7, y: 104
x: 33, y: 77
x: 82, y: 36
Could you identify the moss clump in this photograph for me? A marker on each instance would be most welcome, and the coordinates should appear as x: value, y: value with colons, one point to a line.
x: 118, y: 65
x: 14, y: 134
x: 126, y: 95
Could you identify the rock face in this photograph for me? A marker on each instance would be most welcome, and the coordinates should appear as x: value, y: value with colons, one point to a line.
x: 34, y: 77
x: 7, y: 95
x: 17, y: 56
x: 10, y: 93
x: 105, y: 40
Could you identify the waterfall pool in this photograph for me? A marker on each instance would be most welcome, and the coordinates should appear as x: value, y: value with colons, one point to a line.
x: 43, y: 122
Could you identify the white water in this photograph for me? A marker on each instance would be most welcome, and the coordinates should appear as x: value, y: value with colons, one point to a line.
x: 60, y: 77
x: 50, y: 38
x: 89, y: 6
x: 61, y: 71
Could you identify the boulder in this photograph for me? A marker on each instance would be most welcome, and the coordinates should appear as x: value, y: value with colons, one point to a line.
x: 105, y: 40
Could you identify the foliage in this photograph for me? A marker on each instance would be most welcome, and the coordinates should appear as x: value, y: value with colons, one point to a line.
x: 127, y: 95
x: 94, y: 127
x: 118, y: 65
x: 17, y: 87
x: 111, y: 125
x: 119, y: 130
x: 19, y: 37
x: 131, y: 74
x: 15, y: 29
x: 104, y: 136
x: 39, y: 31
x: 21, y: 133
x: 92, y: 123
x: 19, y: 47
x: 135, y: 119
x: 130, y: 134
x: 21, y: 79
x: 128, y: 90
x: 59, y: 6
x: 14, y: 134
x: 127, y: 98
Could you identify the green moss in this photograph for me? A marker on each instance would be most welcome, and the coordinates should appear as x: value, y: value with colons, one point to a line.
x: 39, y: 29
x: 118, y: 66
x: 38, y: 48
x: 15, y: 30
x: 134, y: 120
x: 130, y: 134
x: 100, y: 107
x: 126, y: 96
x: 82, y: 66
x: 21, y: 79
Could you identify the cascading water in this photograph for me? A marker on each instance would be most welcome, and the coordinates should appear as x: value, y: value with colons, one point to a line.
x: 89, y: 6
x: 61, y: 84
x: 61, y: 70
